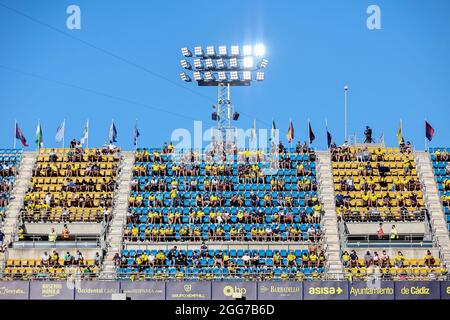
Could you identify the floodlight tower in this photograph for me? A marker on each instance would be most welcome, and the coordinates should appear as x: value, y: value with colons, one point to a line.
x: 224, y: 68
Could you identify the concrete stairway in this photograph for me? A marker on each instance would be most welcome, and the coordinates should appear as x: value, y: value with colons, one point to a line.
x: 433, y: 203
x: 330, y: 223
x: 115, y: 234
x: 18, y: 193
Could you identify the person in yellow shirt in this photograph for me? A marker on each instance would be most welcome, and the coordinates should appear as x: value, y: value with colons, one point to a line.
x: 134, y: 233
x: 277, y: 259
x: 291, y: 259
x: 313, y: 260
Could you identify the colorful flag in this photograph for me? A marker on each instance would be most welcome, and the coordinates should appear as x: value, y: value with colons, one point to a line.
x: 400, y: 133
x: 20, y: 136
x: 310, y: 133
x: 429, y: 131
x: 290, y: 132
x: 85, y: 134
x: 60, y: 132
x: 136, y: 134
x: 112, y: 133
x: 39, y: 139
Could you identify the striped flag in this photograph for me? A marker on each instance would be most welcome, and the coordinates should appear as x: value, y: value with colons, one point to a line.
x: 273, y: 131
x: 429, y: 131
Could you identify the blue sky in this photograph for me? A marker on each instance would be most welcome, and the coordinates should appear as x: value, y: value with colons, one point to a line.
x: 49, y: 73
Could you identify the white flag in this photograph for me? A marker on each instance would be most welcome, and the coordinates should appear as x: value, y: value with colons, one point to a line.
x: 60, y: 132
x: 85, y: 134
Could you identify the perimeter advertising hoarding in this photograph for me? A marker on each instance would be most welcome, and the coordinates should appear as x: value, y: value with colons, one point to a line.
x: 273, y: 290
x: 14, y: 290
x: 445, y: 290
x: 224, y: 290
x: 363, y: 290
x: 51, y: 290
x: 144, y: 290
x: 96, y: 290
x: 188, y: 290
x: 325, y: 290
x: 417, y: 290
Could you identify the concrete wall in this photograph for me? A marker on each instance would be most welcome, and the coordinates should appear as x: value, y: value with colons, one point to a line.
x: 371, y: 228
x: 74, y: 228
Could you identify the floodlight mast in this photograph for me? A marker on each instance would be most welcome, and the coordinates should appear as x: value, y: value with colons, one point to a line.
x: 224, y: 68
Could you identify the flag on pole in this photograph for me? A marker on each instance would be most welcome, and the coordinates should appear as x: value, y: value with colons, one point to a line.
x: 85, y: 134
x: 273, y: 131
x: 60, y: 132
x: 112, y: 133
x: 429, y: 131
x: 329, y: 138
x: 310, y: 133
x: 290, y: 132
x: 39, y: 139
x: 20, y: 136
x: 136, y: 134
x: 253, y: 132
x: 400, y: 133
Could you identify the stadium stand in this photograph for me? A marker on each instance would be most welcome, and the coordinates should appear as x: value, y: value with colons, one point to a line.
x: 376, y: 184
x: 199, y: 200
x: 9, y: 168
x: 440, y: 158
x: 67, y: 207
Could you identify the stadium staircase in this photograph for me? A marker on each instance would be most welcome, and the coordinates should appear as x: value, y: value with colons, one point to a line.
x: 115, y: 234
x: 433, y: 203
x: 330, y: 223
x: 18, y: 193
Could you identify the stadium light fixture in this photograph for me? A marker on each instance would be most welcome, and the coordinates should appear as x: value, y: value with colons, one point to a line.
x: 248, y: 62
x: 263, y: 64
x: 247, y: 50
x: 234, y: 63
x: 259, y: 50
x: 209, y: 63
x: 222, y: 50
x: 186, y: 52
x: 222, y: 76
x: 224, y: 67
x: 185, y: 64
x: 259, y: 76
x: 220, y: 63
x: 209, y: 76
x: 210, y: 51
x: 185, y: 77
x: 198, y: 76
x: 198, y: 51
x: 198, y: 64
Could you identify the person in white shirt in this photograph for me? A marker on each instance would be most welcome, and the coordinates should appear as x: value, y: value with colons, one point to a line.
x: 246, y: 259
x: 45, y: 260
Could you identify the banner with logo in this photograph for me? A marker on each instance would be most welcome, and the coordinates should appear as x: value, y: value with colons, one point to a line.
x: 278, y: 290
x: 445, y: 290
x: 417, y: 290
x: 325, y: 290
x: 373, y: 290
x: 96, y: 290
x: 230, y: 290
x: 51, y: 290
x: 14, y: 290
x: 144, y: 290
x: 185, y: 290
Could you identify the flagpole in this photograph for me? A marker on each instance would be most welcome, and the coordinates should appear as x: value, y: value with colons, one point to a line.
x: 64, y: 132
x: 346, y: 112
x: 87, y: 140
x: 309, y: 137
x: 326, y: 128
x: 15, y: 129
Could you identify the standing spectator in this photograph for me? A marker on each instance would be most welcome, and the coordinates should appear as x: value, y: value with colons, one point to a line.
x: 65, y: 232
x: 52, y: 236
x: 380, y: 231
x: 394, y: 233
